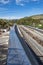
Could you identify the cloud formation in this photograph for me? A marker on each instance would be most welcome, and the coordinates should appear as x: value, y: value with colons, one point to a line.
x: 18, y: 2
x: 8, y: 17
x: 22, y: 2
x: 4, y: 1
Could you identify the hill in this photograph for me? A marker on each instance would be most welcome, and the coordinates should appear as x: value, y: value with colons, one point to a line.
x: 40, y: 16
x: 35, y: 20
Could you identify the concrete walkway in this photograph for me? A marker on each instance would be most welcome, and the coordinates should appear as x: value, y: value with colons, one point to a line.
x: 16, y: 53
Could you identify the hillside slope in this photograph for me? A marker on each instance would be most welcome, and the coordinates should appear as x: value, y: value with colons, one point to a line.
x: 40, y: 16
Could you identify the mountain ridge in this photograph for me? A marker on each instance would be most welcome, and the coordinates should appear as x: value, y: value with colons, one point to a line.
x: 39, y: 16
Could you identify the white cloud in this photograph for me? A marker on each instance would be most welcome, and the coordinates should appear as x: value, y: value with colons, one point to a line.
x: 21, y: 2
x: 8, y: 17
x: 4, y: 1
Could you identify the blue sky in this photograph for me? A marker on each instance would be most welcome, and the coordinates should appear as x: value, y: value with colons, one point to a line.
x: 11, y: 9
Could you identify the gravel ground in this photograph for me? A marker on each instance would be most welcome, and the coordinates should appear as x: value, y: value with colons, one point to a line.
x: 3, y: 47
